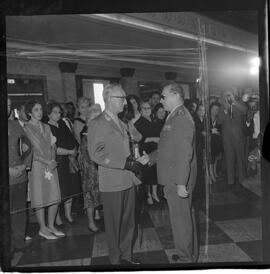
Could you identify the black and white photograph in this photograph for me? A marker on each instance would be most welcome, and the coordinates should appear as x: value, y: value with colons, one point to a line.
x: 134, y: 139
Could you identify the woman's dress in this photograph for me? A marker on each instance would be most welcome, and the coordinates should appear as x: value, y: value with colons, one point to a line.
x: 216, y: 142
x: 64, y: 139
x: 43, y: 185
x: 89, y: 174
x: 147, y: 129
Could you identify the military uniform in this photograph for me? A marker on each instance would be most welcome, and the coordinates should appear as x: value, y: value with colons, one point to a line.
x: 19, y: 149
x: 108, y: 146
x: 177, y: 165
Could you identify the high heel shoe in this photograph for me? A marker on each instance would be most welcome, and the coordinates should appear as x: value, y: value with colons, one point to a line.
x: 155, y: 198
x: 150, y: 200
x: 57, y: 233
x: 70, y: 221
x: 47, y: 237
x: 92, y: 230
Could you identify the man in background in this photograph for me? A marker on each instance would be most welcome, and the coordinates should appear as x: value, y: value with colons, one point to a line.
x: 22, y: 117
x: 232, y: 116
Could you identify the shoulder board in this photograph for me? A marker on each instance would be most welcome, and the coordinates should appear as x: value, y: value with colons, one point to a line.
x: 181, y: 111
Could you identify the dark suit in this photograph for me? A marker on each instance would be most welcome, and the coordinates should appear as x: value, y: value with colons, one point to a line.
x: 177, y: 165
x: 108, y: 146
x: 17, y: 185
x: 266, y: 143
x: 233, y: 138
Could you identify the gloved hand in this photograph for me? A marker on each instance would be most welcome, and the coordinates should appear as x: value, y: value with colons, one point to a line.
x: 133, y: 165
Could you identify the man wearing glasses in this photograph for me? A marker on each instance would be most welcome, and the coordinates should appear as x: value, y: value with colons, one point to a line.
x: 177, y: 171
x: 108, y: 145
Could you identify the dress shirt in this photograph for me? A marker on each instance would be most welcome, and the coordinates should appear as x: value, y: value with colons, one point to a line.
x: 256, y: 120
x: 114, y: 118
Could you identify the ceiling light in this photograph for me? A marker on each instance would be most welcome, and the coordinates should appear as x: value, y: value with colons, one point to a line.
x: 255, y: 62
x: 254, y: 70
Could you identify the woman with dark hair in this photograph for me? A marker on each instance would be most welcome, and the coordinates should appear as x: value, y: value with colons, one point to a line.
x: 216, y: 142
x: 43, y: 177
x: 128, y: 117
x: 66, y: 147
x: 135, y: 103
x: 159, y: 116
x: 199, y: 117
x: 150, y: 137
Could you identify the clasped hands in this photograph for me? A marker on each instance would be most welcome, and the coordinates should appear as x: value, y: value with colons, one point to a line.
x: 135, y: 165
x: 52, y: 165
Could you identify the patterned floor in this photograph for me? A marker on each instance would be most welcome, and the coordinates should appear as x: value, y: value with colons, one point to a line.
x: 234, y: 235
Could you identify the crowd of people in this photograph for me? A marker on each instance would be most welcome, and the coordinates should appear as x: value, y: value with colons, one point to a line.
x: 235, y: 135
x: 152, y: 148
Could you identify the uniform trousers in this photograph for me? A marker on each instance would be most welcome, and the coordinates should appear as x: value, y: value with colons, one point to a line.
x: 119, y: 219
x: 18, y: 219
x: 183, y: 224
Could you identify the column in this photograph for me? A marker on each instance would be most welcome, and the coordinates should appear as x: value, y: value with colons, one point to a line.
x: 68, y: 80
x: 129, y: 84
x: 170, y: 77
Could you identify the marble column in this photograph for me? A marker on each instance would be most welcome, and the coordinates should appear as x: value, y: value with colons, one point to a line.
x: 129, y: 84
x: 68, y: 71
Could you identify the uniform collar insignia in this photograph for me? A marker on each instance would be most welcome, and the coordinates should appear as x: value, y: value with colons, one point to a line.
x: 181, y: 110
x: 167, y: 127
x: 107, y: 117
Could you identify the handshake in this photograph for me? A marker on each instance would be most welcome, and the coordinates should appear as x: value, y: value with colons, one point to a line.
x: 136, y: 165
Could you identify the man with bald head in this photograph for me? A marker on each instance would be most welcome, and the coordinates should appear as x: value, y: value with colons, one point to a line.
x: 177, y: 171
x: 108, y: 146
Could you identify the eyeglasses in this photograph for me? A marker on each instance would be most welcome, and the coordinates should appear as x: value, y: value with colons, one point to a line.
x: 120, y: 97
x: 162, y: 97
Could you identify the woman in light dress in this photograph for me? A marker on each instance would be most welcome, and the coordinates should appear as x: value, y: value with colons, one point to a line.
x: 43, y: 177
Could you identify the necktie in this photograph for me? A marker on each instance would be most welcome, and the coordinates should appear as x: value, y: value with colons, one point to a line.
x: 131, y: 143
x: 230, y: 112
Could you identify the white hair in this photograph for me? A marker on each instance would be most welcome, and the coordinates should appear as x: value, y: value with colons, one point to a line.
x: 108, y: 89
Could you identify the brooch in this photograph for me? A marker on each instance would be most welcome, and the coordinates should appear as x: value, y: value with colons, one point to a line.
x: 47, y: 174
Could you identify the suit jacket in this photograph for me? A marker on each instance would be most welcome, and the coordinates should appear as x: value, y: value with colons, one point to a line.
x: 233, y: 128
x: 15, y: 133
x: 108, y: 146
x: 175, y: 157
x: 266, y: 143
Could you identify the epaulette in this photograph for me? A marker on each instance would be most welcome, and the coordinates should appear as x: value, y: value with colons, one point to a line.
x: 181, y: 111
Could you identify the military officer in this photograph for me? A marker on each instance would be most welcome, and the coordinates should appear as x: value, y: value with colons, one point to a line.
x: 177, y: 170
x: 108, y: 146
